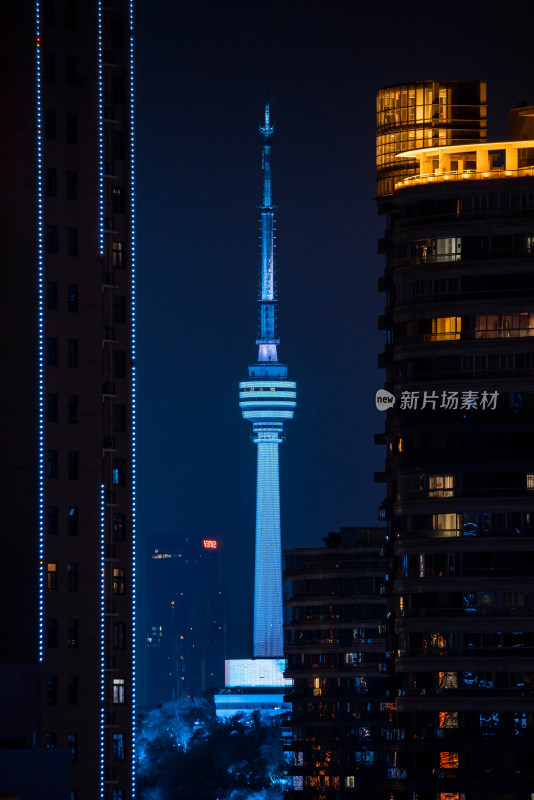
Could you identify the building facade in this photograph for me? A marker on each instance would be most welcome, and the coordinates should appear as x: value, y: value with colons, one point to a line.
x: 67, y: 411
x: 187, y: 613
x: 459, y: 472
x: 336, y: 653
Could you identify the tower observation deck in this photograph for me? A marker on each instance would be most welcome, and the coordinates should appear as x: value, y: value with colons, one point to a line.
x: 267, y: 399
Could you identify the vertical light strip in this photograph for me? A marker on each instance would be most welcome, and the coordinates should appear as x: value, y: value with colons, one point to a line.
x: 102, y: 635
x: 133, y: 302
x: 100, y: 135
x: 40, y: 330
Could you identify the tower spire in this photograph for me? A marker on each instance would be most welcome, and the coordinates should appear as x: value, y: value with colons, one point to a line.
x: 268, y: 335
x: 267, y: 399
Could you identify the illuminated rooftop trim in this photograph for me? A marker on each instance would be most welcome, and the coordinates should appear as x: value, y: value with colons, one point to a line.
x: 482, y: 154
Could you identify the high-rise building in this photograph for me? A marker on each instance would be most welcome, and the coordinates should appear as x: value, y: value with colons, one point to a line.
x: 459, y: 471
x: 336, y: 653
x: 187, y: 613
x: 267, y: 399
x: 67, y: 411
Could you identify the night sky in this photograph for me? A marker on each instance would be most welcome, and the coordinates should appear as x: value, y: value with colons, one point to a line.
x: 204, y: 71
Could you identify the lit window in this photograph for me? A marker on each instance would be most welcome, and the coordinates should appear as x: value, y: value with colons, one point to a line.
x: 445, y: 329
x: 447, y: 524
x: 530, y: 480
x: 119, y: 685
x: 51, y: 576
x: 448, y: 760
x: 441, y: 485
x: 118, y: 581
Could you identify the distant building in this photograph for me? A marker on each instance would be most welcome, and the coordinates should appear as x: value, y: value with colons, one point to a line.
x: 459, y: 471
x: 187, y: 613
x: 336, y: 653
x: 67, y: 394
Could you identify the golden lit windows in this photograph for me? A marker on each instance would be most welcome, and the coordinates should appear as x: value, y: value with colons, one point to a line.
x: 441, y: 485
x: 51, y: 576
x: 447, y: 524
x: 530, y: 480
x: 448, y: 719
x: 448, y: 760
x: 504, y: 326
x: 445, y: 329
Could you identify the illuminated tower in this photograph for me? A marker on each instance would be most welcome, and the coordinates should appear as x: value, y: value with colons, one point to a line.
x: 267, y: 399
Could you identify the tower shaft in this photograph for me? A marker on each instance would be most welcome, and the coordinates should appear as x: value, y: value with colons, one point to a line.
x: 268, y: 621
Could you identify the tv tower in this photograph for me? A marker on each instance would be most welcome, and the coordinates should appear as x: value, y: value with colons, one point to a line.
x: 267, y: 399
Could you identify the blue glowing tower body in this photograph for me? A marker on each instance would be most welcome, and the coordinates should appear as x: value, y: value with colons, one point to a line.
x: 267, y: 399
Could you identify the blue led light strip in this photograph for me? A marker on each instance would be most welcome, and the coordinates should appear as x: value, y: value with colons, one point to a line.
x: 40, y: 330
x: 133, y: 301
x: 100, y: 135
x: 102, y: 635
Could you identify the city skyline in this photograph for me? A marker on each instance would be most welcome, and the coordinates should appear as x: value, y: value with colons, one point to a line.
x: 199, y: 99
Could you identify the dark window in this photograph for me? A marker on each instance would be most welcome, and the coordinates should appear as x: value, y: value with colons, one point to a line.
x: 72, y: 577
x: 51, y: 408
x: 119, y: 635
x: 72, y: 741
x: 72, y: 128
x: 118, y: 580
x: 72, y: 520
x: 72, y: 633
x: 51, y: 181
x: 52, y: 239
x: 119, y: 526
x: 119, y: 471
x: 51, y: 295
x: 72, y: 353
x: 51, y: 632
x: 72, y: 690
x: 118, y: 254
x: 119, y: 306
x: 51, y: 519
x: 72, y: 184
x: 118, y: 746
x: 117, y: 90
x: 49, y: 12
x: 51, y: 576
x: 49, y: 67
x: 51, y: 352
x: 119, y: 418
x: 71, y: 76
x: 73, y: 409
x: 51, y: 689
x: 70, y: 14
x: 117, y: 200
x: 72, y: 241
x: 119, y: 364
x: 52, y: 464
x: 72, y: 297
x: 117, y: 144
x: 73, y: 468
x: 117, y: 34
x: 50, y: 124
